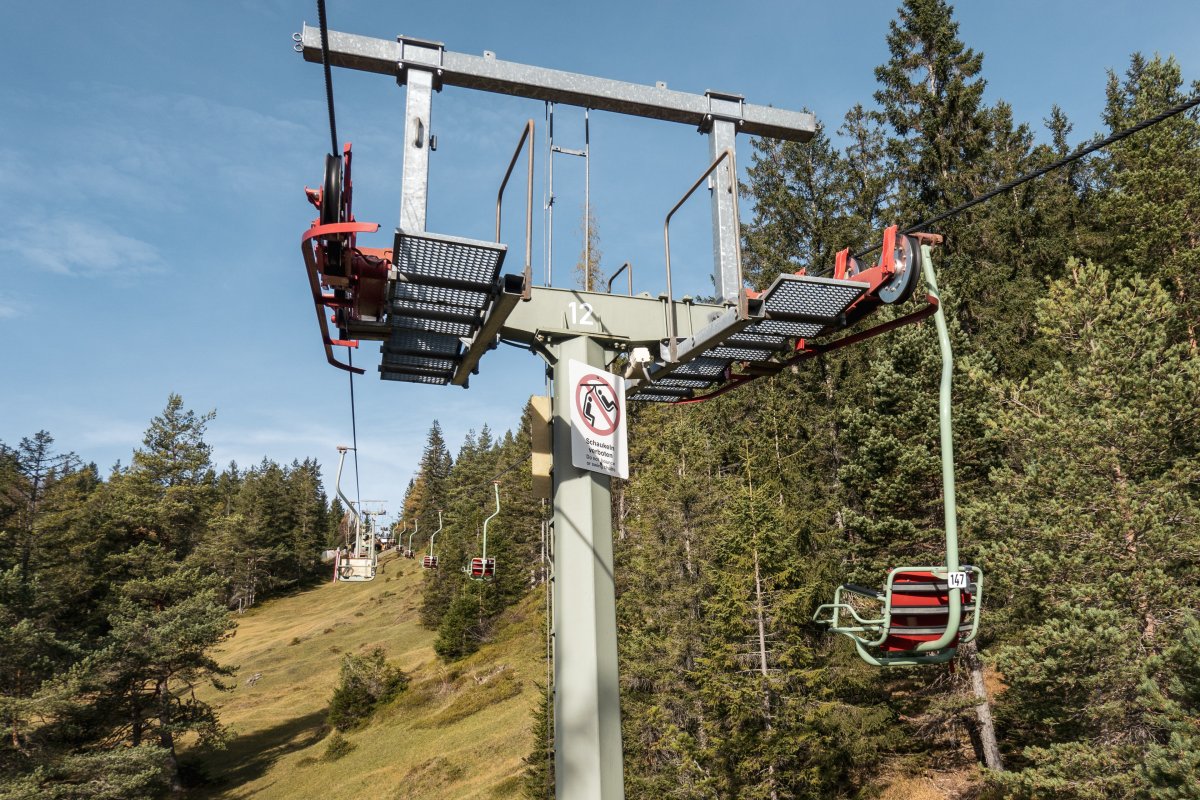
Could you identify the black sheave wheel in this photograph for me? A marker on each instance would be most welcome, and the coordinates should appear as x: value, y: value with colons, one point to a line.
x: 331, y: 195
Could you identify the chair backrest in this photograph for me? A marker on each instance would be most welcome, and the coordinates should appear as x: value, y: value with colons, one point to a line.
x: 920, y: 610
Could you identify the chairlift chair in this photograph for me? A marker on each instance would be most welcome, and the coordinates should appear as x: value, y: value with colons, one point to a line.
x: 431, y: 561
x: 923, y: 613
x: 405, y: 550
x: 484, y: 568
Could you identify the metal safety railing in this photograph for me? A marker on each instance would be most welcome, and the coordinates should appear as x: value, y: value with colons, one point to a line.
x: 525, y: 140
x: 627, y: 268
x: 726, y: 154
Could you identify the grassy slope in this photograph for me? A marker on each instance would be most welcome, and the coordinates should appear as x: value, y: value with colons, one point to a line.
x: 459, y: 731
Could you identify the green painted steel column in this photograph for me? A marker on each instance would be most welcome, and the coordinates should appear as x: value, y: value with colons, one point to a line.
x: 587, y: 706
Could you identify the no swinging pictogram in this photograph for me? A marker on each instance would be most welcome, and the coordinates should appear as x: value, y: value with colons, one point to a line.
x: 597, y: 404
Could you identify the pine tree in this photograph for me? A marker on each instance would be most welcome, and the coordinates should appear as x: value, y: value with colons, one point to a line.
x: 141, y: 680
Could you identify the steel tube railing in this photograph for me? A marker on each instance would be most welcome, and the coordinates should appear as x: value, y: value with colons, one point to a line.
x: 727, y: 153
x: 626, y: 266
x: 526, y: 137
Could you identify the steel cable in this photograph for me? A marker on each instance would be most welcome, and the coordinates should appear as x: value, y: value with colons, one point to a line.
x: 1037, y: 173
x: 328, y: 76
x: 354, y: 431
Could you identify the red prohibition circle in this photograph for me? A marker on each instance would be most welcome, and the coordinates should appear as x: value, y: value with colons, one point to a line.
x: 599, y: 417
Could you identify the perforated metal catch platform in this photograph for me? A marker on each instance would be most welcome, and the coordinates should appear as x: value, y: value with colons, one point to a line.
x: 793, y: 307
x: 444, y: 290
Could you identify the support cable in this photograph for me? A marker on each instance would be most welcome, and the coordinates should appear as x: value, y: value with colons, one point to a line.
x: 328, y: 76
x: 496, y: 478
x: 354, y: 432
x: 1037, y: 173
x: 333, y: 139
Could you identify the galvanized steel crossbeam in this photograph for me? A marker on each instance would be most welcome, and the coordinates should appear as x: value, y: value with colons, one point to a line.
x: 386, y: 57
x: 617, y: 321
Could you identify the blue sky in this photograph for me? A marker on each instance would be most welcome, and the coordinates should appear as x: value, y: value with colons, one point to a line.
x: 153, y: 157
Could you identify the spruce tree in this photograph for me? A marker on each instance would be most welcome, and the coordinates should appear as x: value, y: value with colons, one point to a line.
x: 1094, y: 561
x: 171, y: 480
x: 1149, y: 209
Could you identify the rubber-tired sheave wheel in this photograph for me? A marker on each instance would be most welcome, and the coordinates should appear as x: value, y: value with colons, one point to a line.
x: 907, y: 263
x: 331, y: 194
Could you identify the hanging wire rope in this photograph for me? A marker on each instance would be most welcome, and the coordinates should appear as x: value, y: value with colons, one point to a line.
x: 354, y: 432
x: 333, y: 138
x: 1037, y: 173
x: 510, y: 468
x: 328, y: 76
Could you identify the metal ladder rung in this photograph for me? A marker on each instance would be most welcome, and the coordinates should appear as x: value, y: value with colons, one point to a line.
x: 432, y: 345
x: 411, y: 377
x: 421, y: 363
x: 810, y: 298
x: 758, y: 340
x: 667, y: 391
x: 439, y: 295
x: 416, y: 308
x: 740, y: 353
x: 431, y: 325
x: 647, y: 397
x: 702, y: 367
x: 450, y: 262
x: 790, y: 329
x: 684, y: 383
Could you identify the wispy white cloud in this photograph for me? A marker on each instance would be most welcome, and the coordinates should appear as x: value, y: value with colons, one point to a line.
x: 75, y: 246
x: 8, y: 308
x: 100, y: 433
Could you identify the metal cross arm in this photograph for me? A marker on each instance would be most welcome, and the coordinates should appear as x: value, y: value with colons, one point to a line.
x: 487, y: 73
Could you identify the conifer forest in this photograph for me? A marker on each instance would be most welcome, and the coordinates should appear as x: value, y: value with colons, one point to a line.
x: 1072, y: 309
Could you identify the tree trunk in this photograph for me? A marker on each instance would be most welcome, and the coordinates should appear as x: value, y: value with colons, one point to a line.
x: 765, y: 670
x: 166, y: 738
x: 983, y: 710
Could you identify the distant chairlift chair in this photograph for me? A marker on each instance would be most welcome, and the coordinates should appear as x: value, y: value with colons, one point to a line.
x: 359, y: 563
x: 431, y: 561
x: 484, y: 568
x: 408, y: 551
x: 922, y: 613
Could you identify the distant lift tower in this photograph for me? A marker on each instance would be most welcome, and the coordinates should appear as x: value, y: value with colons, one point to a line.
x: 439, y: 302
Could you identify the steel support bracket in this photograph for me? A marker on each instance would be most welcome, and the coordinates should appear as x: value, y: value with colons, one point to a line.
x: 423, y: 54
x: 512, y: 290
x: 724, y: 106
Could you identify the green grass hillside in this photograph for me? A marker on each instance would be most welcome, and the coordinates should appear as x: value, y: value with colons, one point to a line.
x: 458, y: 731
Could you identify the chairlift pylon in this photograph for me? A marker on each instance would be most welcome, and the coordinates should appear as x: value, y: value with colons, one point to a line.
x: 484, y: 568
x: 431, y: 561
x: 924, y: 612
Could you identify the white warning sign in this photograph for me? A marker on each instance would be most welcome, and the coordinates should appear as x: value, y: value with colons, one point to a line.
x: 598, y: 420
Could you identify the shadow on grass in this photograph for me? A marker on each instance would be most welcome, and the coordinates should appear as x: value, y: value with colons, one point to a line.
x: 249, y: 756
